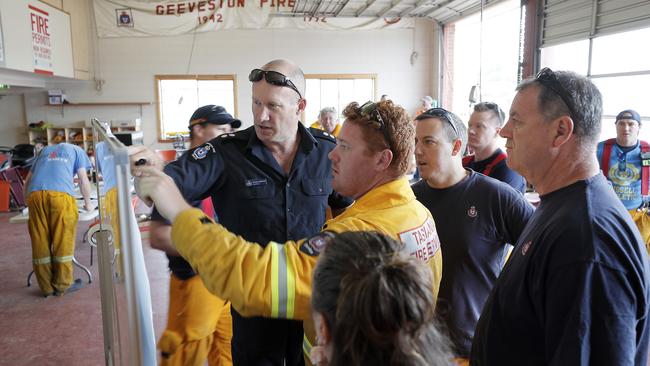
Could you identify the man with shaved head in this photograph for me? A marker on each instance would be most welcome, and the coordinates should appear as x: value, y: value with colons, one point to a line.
x: 269, y: 183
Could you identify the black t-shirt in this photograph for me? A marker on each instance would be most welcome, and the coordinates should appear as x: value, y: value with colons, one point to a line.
x: 575, y: 290
x: 253, y: 197
x: 475, y: 219
x: 500, y: 171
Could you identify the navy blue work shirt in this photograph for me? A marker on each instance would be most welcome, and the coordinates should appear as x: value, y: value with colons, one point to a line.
x: 254, y: 197
x: 575, y: 290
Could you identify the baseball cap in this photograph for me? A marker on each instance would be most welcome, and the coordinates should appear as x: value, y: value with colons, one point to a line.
x: 213, y: 114
x: 629, y: 114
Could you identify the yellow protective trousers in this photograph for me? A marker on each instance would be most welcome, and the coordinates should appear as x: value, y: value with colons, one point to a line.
x: 642, y: 220
x: 52, y: 227
x: 110, y: 215
x: 199, y: 326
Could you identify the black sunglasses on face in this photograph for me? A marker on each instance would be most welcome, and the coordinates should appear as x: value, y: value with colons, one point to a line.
x: 371, y: 110
x: 548, y: 78
x: 273, y: 78
x: 437, y: 113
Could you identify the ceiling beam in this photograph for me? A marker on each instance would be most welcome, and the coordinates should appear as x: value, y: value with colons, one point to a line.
x: 415, y: 7
x: 364, y: 8
x: 437, y: 7
x: 345, y: 3
x: 388, y: 9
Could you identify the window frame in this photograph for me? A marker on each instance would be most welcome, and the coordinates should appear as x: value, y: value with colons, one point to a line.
x: 157, y: 87
x: 371, y: 76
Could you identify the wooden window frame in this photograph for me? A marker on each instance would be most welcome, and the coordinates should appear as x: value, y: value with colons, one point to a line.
x: 158, y: 102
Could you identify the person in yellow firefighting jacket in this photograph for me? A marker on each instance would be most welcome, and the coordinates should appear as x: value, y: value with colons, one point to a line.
x: 199, y: 324
x: 368, y: 164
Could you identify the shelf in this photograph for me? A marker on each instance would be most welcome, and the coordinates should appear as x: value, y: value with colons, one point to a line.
x: 63, y: 106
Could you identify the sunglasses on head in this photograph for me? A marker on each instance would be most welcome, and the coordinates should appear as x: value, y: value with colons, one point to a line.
x: 438, y: 113
x: 370, y: 110
x: 548, y: 78
x: 273, y: 78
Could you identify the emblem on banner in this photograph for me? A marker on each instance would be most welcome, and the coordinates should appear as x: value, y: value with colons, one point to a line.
x: 124, y: 17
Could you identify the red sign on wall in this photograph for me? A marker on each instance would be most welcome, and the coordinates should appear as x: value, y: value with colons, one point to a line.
x: 41, y: 40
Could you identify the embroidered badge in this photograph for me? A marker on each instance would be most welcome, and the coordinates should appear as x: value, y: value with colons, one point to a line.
x: 472, y: 212
x: 315, y: 245
x: 525, y: 247
x: 202, y: 151
x: 256, y: 182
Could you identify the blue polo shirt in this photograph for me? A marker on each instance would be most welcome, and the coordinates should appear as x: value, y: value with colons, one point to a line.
x: 254, y: 197
x: 56, y: 167
x: 106, y: 166
x: 575, y: 290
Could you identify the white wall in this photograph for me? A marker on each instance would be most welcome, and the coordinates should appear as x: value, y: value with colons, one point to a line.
x: 12, y: 120
x: 128, y: 66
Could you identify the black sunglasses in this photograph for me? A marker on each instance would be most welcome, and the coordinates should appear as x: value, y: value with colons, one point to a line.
x: 273, y: 78
x: 548, y: 78
x: 370, y: 110
x: 437, y: 113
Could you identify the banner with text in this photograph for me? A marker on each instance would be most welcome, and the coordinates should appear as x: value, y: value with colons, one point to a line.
x: 132, y: 18
x: 42, y: 47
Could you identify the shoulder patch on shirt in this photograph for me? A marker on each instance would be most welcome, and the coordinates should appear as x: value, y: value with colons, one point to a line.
x: 320, y: 134
x: 202, y: 151
x: 317, y: 243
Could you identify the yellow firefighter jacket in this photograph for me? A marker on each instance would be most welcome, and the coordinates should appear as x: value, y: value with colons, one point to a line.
x: 275, y: 281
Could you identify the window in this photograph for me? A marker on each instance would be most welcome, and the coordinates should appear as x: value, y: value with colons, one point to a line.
x: 485, y: 53
x: 336, y: 91
x: 620, y: 68
x: 178, y: 96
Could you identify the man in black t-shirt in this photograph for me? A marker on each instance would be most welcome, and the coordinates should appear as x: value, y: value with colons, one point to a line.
x: 483, y: 137
x: 476, y: 215
x: 575, y: 290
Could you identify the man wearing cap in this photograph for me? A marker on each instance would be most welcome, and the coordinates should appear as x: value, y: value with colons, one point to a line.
x: 271, y: 182
x: 483, y: 139
x: 625, y: 161
x: 199, y: 324
x: 426, y: 104
x: 328, y: 121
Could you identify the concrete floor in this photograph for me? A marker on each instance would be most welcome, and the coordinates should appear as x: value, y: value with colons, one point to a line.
x: 63, y: 330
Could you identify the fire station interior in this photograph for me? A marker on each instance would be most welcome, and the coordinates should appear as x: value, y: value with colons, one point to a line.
x: 137, y: 70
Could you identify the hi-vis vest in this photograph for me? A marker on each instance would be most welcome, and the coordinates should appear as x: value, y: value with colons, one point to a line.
x: 275, y: 281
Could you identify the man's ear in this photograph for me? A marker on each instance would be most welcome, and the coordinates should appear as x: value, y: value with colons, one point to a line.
x: 563, y: 130
x: 385, y: 158
x: 302, y: 104
x: 498, y: 129
x: 456, y: 145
